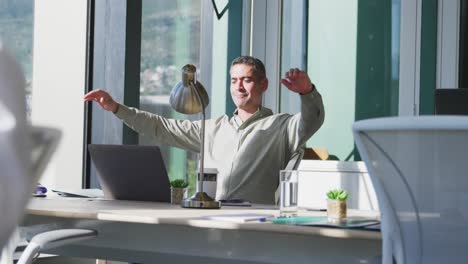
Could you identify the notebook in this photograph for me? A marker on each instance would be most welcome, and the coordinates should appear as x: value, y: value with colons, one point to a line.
x: 131, y: 172
x: 351, y: 222
x: 240, y: 218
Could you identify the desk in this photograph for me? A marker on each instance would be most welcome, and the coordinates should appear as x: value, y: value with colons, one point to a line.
x: 162, y: 233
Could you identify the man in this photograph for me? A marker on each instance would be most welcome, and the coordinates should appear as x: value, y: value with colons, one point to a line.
x: 249, y: 148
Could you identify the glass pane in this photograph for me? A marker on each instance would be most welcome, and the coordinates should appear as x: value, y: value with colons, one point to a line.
x: 16, y: 32
x: 332, y: 37
x: 395, y: 62
x: 170, y: 39
x: 293, y: 49
x: 353, y: 58
x: 463, y: 60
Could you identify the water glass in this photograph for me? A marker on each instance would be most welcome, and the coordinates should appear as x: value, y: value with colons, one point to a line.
x: 288, y: 193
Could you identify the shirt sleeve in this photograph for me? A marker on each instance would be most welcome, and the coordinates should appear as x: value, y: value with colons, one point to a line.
x: 183, y: 134
x: 303, y: 125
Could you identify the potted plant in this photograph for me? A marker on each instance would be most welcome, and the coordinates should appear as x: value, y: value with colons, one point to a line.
x: 178, y: 191
x: 336, y: 205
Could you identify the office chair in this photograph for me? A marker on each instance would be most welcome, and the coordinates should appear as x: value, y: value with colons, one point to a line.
x: 24, y: 153
x: 420, y: 174
x: 316, y: 153
x: 14, y: 175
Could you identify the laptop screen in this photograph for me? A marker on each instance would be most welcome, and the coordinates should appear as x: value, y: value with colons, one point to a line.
x: 131, y: 172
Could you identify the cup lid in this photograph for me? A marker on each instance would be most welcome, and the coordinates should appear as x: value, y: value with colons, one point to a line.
x: 209, y: 170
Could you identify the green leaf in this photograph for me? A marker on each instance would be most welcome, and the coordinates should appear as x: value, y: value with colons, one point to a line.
x: 179, y: 183
x: 337, y: 194
x: 343, y: 195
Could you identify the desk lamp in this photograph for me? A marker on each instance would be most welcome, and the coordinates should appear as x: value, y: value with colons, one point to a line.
x: 190, y: 97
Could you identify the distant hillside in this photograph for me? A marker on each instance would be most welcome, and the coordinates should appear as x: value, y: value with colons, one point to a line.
x: 169, y: 31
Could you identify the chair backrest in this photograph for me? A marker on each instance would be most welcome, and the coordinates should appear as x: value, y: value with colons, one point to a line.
x: 419, y: 170
x: 15, y: 180
x: 24, y: 150
x: 316, y: 153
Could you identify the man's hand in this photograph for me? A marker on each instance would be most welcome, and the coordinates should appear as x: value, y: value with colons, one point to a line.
x: 103, y: 99
x: 297, y: 81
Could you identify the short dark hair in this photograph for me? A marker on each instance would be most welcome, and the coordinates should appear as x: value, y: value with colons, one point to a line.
x: 257, y: 65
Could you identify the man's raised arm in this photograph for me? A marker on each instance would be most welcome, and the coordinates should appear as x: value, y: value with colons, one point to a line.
x: 177, y: 133
x: 103, y: 99
x: 304, y: 124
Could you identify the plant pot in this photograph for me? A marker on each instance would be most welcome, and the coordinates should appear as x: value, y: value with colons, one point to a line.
x: 336, y: 211
x: 178, y: 194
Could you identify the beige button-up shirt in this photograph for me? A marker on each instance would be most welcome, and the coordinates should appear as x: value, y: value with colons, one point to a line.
x: 249, y: 154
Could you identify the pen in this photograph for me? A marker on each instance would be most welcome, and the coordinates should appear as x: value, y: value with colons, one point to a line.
x: 265, y: 219
x: 261, y: 219
x: 316, y: 209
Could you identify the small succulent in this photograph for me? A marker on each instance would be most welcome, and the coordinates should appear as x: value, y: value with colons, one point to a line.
x: 179, y: 183
x: 337, y: 194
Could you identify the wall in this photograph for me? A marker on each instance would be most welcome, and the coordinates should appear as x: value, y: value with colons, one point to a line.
x: 59, y: 84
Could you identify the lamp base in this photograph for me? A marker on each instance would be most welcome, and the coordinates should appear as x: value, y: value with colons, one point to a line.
x: 200, y: 200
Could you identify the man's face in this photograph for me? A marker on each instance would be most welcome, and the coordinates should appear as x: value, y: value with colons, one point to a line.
x: 246, y: 90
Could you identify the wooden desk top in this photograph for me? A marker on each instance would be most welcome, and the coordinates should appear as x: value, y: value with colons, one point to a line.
x: 167, y: 214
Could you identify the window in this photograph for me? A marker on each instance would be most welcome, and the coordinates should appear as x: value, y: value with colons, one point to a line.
x: 332, y: 45
x: 293, y: 49
x: 154, y: 40
x: 463, y: 53
x: 170, y: 39
x: 351, y: 52
x: 16, y: 32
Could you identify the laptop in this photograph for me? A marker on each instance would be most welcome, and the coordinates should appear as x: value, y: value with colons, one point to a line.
x: 131, y: 172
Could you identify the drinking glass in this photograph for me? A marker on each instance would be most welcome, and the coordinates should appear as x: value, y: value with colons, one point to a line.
x: 288, y: 193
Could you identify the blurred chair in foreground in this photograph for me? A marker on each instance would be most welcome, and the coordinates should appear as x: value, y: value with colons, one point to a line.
x: 16, y: 180
x: 419, y: 170
x: 24, y: 154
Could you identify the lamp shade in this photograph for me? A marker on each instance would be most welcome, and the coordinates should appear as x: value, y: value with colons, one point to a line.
x: 184, y: 99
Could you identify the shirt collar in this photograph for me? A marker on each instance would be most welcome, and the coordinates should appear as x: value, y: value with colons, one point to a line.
x: 259, y: 114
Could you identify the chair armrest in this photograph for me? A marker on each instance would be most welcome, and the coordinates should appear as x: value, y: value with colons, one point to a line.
x: 53, y: 239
